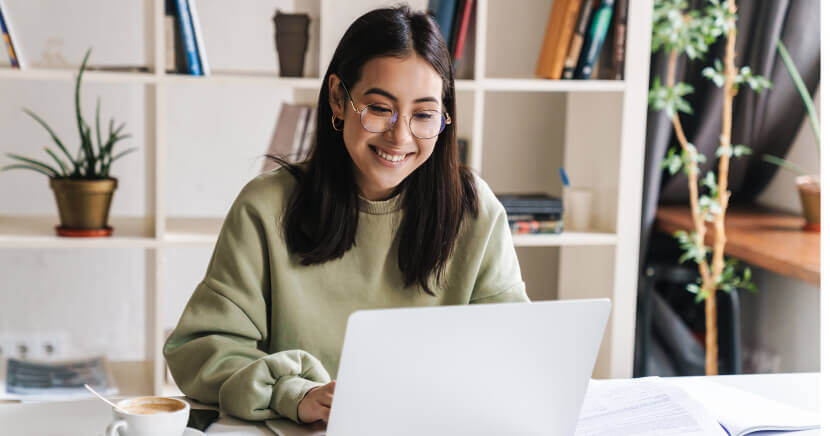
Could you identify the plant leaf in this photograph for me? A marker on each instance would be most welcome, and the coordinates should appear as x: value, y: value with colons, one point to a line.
x: 64, y: 172
x: 27, y: 167
x: 51, y: 133
x: 34, y: 162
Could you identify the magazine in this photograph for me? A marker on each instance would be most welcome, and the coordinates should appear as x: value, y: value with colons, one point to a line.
x: 29, y: 380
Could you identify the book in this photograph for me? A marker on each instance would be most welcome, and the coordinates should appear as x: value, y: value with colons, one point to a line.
x: 534, y: 217
x: 460, y: 26
x: 200, y: 42
x: 29, y: 380
x: 174, y: 45
x: 600, y: 22
x: 561, y: 23
x: 12, y: 47
x: 444, y: 13
x: 189, y: 40
x: 620, y: 22
x: 287, y: 137
x: 683, y: 407
x: 463, y: 149
x: 309, y: 133
x: 577, y: 39
x: 536, y: 227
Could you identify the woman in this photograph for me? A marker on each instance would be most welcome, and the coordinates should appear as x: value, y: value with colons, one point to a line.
x: 381, y: 215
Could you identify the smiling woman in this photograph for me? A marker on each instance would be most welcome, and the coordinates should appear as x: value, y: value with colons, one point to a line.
x: 381, y: 215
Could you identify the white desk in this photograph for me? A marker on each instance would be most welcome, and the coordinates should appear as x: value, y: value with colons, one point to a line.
x: 90, y: 417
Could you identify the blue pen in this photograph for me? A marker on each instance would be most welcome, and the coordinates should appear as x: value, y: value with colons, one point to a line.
x: 564, y: 176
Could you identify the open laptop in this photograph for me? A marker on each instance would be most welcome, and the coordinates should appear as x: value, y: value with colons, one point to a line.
x: 493, y: 369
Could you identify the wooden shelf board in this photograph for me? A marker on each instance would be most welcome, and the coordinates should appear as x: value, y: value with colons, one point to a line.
x: 245, y: 78
x: 769, y: 239
x: 192, y: 230
x: 39, y: 231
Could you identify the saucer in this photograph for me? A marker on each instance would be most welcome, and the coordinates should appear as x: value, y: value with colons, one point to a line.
x: 189, y: 431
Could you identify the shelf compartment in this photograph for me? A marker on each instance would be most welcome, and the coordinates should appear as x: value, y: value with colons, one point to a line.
x: 192, y: 230
x: 39, y: 231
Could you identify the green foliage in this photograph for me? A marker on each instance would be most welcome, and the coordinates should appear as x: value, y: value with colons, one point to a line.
x: 731, y: 280
x: 674, y: 161
x: 690, y: 249
x: 688, y: 32
x: 87, y: 162
x: 670, y: 98
x: 733, y: 151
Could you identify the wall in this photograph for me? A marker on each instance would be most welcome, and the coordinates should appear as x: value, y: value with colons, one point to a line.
x: 783, y: 318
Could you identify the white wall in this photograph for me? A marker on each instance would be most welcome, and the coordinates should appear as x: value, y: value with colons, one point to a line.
x: 783, y: 318
x: 215, y: 137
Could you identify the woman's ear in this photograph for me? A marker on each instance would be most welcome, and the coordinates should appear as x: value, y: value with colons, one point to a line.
x: 336, y: 100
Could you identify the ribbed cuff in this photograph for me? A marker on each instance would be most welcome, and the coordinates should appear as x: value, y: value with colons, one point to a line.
x: 288, y: 393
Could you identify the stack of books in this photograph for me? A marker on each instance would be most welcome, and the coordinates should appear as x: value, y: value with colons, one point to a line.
x: 34, y: 381
x: 575, y: 34
x: 532, y: 213
x: 293, y: 135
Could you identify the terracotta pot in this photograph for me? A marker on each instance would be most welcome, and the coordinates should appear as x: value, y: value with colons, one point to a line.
x: 809, y: 188
x: 83, y: 205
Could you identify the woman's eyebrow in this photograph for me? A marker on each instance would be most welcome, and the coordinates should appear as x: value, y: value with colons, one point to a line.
x: 395, y: 99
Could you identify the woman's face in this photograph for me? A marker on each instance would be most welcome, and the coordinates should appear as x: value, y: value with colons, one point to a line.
x: 383, y: 160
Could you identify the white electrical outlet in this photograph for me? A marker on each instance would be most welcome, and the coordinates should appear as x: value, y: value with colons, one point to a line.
x: 47, y: 345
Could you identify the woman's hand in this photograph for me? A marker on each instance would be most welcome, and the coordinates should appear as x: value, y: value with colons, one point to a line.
x: 316, y: 404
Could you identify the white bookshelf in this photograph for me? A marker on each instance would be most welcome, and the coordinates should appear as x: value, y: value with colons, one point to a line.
x: 595, y: 128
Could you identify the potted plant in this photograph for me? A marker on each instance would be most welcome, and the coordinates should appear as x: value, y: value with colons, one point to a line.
x: 81, y: 181
x: 809, y: 185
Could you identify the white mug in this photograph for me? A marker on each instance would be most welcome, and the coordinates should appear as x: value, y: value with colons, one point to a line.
x: 149, y: 416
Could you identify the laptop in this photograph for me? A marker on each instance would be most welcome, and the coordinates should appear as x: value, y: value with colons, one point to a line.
x: 492, y: 369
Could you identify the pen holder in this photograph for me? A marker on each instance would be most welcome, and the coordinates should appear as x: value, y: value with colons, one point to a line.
x: 577, y: 209
x: 291, y: 37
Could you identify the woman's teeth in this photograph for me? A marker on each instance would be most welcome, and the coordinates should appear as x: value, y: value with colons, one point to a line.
x: 389, y: 157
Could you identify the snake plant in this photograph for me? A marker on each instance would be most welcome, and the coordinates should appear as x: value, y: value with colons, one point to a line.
x: 91, y: 161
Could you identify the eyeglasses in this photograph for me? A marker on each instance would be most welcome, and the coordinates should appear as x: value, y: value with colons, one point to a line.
x: 379, y: 118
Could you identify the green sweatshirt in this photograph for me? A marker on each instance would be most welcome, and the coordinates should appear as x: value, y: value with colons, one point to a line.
x: 260, y: 330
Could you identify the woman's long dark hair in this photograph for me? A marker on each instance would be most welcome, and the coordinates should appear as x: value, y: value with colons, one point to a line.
x: 321, y: 217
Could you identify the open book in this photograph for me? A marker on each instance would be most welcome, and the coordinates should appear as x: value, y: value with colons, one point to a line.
x: 654, y: 406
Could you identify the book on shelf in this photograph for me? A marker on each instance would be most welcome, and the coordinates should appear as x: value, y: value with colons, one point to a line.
x: 461, y: 25
x: 597, y: 30
x: 9, y: 38
x: 29, y: 380
x: 524, y: 227
x: 200, y: 41
x: 577, y: 39
x: 191, y: 51
x: 444, y: 13
x: 620, y: 24
x: 463, y: 150
x: 561, y: 24
x: 292, y: 135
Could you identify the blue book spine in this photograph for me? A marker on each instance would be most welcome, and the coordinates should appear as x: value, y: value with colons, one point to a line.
x: 7, y: 37
x: 444, y: 15
x: 600, y: 22
x: 189, y: 39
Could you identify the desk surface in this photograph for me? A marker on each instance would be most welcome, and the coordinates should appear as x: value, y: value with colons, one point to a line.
x: 768, y: 239
x: 90, y: 417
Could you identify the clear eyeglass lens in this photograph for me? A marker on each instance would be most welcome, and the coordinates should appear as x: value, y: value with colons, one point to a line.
x: 422, y: 124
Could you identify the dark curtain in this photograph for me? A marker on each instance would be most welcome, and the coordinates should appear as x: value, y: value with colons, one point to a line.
x: 765, y: 122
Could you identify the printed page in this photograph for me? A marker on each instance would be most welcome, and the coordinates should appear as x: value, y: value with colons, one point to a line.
x: 644, y: 406
x: 742, y: 412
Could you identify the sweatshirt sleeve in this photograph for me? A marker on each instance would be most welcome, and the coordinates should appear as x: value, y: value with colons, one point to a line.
x: 215, y: 353
x: 499, y: 279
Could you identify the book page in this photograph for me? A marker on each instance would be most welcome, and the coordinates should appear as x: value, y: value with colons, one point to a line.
x: 644, y: 406
x: 742, y: 412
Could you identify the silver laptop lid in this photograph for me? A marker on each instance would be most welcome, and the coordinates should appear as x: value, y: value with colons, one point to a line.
x: 481, y: 369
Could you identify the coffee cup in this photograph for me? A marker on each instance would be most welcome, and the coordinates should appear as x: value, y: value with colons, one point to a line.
x: 149, y: 416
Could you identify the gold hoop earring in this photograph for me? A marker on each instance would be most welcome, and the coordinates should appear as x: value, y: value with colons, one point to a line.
x: 334, y: 126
